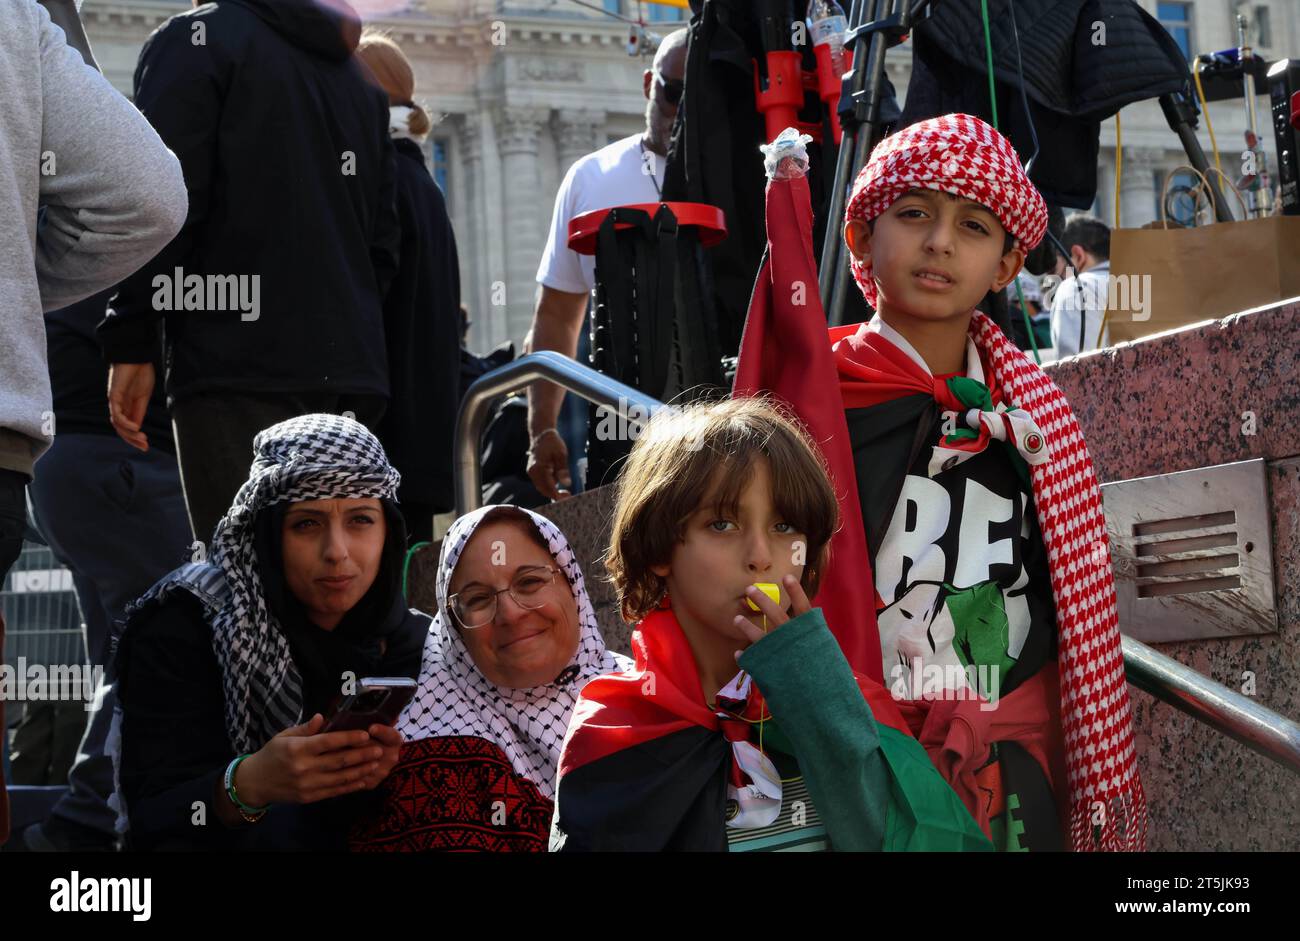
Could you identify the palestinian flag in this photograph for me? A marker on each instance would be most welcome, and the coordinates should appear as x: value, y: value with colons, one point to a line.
x: 647, y: 766
x: 784, y: 353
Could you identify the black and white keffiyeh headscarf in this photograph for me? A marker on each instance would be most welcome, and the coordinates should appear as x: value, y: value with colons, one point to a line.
x: 455, y: 698
x: 312, y: 457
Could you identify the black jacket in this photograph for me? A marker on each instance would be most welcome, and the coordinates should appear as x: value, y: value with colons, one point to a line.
x: 78, y: 376
x: 289, y: 170
x: 175, y: 744
x: 176, y: 748
x: 422, y: 322
x: 1073, y: 80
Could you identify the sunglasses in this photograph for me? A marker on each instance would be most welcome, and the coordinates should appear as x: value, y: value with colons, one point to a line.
x: 672, y: 91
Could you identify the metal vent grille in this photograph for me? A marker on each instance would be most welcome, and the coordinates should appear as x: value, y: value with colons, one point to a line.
x: 1193, y: 553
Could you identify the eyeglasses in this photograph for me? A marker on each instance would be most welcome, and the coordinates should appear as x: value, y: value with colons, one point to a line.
x: 477, y: 606
x: 672, y: 90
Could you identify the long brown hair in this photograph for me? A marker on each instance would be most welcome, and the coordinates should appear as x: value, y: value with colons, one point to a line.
x: 393, y: 72
x: 708, y: 451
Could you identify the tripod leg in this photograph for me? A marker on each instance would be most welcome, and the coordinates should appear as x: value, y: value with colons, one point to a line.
x: 1176, y: 114
x: 832, y: 255
x: 864, y: 128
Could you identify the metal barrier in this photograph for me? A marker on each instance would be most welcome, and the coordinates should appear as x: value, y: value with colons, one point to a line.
x: 581, y: 380
x: 1227, y: 711
x: 40, y: 608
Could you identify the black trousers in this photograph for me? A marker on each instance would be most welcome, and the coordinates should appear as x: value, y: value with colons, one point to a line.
x: 126, y: 529
x: 13, y: 518
x: 13, y: 521
x: 214, y: 441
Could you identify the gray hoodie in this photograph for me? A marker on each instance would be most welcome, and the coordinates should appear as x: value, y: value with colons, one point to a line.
x: 111, y: 194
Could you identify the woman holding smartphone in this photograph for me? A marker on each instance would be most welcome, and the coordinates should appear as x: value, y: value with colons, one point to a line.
x: 227, y: 666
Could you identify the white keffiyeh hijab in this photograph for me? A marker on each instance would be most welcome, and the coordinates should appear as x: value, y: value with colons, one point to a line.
x: 455, y: 698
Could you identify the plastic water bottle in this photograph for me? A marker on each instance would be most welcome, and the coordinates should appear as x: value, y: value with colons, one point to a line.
x: 829, y: 24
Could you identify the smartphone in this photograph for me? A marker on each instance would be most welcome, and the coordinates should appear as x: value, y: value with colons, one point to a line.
x: 377, y: 699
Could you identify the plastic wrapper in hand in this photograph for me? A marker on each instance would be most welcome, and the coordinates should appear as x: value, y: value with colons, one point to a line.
x: 786, y: 157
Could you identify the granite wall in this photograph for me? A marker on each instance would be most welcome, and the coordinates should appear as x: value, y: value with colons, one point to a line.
x: 1177, y: 401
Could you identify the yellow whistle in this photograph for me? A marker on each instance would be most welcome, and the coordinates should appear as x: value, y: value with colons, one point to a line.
x: 768, y: 588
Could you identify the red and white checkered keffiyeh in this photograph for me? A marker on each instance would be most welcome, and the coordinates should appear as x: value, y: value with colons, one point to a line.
x: 958, y: 154
x: 961, y: 154
x: 1096, y: 715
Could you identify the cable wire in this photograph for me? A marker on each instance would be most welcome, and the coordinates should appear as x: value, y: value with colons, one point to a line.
x: 1200, y: 94
x: 988, y: 55
x: 406, y: 564
x: 1119, y: 163
x: 1033, y: 134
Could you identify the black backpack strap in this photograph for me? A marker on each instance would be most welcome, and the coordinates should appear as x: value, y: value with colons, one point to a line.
x: 613, y: 332
x: 656, y: 263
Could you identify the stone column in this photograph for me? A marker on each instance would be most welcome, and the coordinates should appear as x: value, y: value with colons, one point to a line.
x: 1106, y: 186
x: 522, y: 227
x: 472, y: 240
x: 1138, y: 199
x: 578, y: 132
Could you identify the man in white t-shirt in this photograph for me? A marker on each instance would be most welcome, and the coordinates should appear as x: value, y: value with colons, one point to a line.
x: 625, y: 172
x: 1079, y: 303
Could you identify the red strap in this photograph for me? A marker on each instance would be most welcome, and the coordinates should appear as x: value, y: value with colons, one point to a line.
x: 710, y: 221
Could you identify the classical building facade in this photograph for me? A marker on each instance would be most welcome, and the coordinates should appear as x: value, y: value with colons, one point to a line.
x: 526, y: 88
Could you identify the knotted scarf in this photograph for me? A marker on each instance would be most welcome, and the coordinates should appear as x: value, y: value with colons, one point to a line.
x: 661, y: 695
x: 876, y: 364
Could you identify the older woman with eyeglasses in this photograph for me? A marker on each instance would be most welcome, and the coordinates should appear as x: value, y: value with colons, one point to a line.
x: 512, y: 644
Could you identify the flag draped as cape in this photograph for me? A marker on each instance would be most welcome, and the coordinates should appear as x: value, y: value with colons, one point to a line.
x: 646, y: 761
x: 784, y: 352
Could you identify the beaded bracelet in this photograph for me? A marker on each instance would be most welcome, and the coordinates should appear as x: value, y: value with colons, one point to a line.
x: 250, y: 814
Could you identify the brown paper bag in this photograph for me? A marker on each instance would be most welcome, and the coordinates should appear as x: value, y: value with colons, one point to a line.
x: 1168, y: 278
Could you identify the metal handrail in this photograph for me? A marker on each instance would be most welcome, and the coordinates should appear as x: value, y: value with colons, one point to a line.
x: 1257, y: 727
x: 581, y: 380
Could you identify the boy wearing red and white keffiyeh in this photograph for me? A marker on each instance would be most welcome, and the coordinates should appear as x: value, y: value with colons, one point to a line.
x: 994, y: 596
